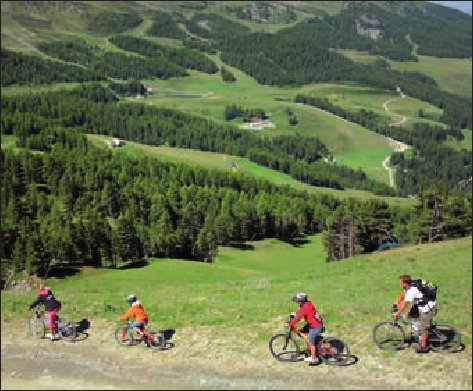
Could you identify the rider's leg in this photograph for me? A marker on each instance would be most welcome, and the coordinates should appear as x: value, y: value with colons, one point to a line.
x: 313, y: 333
x: 305, y: 337
x: 425, y: 324
x: 140, y: 328
x: 52, y: 322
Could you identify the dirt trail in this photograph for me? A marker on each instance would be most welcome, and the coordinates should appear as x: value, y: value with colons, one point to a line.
x: 208, y: 358
x: 403, y: 118
x: 398, y: 145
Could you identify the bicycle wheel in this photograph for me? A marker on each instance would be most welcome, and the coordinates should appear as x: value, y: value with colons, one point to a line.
x: 124, y: 336
x: 36, y: 326
x: 388, y: 336
x: 334, y: 351
x: 66, y: 329
x: 284, y: 347
x: 156, y: 340
x: 444, y: 338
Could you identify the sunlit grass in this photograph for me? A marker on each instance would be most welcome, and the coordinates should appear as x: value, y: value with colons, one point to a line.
x: 452, y: 74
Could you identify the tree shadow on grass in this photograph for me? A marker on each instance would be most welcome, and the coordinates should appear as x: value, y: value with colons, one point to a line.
x: 242, y: 246
x: 63, y: 272
x: 134, y: 265
x: 298, y: 242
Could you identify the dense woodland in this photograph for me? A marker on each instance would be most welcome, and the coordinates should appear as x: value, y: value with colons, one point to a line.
x: 165, y: 26
x: 23, y: 69
x: 186, y: 58
x: 108, y: 22
x: 66, y: 203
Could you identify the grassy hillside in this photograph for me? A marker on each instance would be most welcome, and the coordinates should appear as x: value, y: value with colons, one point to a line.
x: 451, y: 74
x: 246, y: 293
x: 206, y: 95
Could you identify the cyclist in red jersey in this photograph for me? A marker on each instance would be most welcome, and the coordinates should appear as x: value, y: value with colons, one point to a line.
x: 313, y: 319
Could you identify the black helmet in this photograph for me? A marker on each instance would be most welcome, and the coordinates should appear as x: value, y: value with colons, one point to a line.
x: 131, y: 298
x: 300, y: 296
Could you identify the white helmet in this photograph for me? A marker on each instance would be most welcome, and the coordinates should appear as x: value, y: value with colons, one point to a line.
x: 131, y: 298
x: 300, y: 296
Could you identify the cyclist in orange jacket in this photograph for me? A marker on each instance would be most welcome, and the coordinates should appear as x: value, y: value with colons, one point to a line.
x: 137, y: 312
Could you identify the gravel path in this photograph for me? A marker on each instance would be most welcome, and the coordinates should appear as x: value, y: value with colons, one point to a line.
x: 204, y: 358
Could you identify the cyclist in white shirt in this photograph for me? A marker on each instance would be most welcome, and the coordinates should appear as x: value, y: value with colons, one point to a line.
x: 426, y: 309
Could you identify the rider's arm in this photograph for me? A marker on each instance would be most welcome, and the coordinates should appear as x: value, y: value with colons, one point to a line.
x: 401, y: 298
x: 402, y: 306
x: 36, y: 302
x: 299, y: 315
x: 127, y: 315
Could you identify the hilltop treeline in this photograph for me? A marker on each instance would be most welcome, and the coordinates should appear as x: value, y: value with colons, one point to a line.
x: 165, y: 26
x: 114, y: 22
x: 92, y: 63
x: 94, y: 109
x: 186, y: 58
x: 431, y: 162
x: 17, y: 68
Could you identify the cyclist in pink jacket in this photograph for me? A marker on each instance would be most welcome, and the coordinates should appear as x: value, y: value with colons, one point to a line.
x: 51, y: 305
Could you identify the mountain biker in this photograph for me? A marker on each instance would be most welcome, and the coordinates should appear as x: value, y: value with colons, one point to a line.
x: 307, y: 312
x: 421, y: 309
x: 137, y: 312
x: 51, y: 305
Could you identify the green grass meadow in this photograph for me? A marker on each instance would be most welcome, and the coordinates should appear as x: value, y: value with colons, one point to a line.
x: 451, y: 74
x: 249, y: 290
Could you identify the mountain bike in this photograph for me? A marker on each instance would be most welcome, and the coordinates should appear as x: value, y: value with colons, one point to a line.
x: 38, y: 324
x: 399, y: 332
x: 125, y: 335
x: 330, y: 350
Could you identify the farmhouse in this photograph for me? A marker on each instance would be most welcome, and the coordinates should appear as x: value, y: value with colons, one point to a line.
x: 115, y: 143
x: 257, y: 124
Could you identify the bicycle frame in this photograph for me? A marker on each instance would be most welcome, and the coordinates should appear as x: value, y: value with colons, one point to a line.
x: 130, y: 328
x: 391, y: 335
x: 405, y: 323
x: 321, y: 347
x: 330, y: 350
x: 40, y: 314
x: 127, y: 335
x: 39, y: 326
